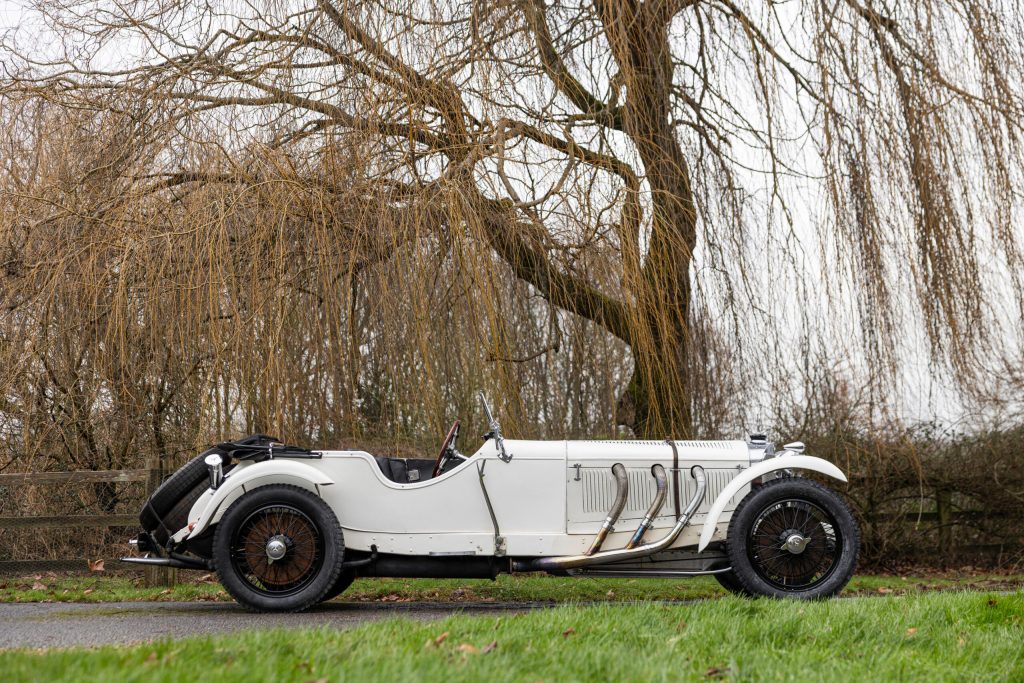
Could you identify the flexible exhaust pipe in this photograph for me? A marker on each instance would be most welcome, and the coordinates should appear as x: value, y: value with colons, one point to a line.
x: 547, y: 564
x: 659, y: 499
x: 621, y: 493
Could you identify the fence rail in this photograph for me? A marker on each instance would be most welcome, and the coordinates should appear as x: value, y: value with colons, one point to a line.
x: 943, y: 517
x: 151, y: 475
x: 77, y: 477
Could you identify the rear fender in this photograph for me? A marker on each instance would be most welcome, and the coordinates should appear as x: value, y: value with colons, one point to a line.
x: 211, y: 505
x: 785, y: 462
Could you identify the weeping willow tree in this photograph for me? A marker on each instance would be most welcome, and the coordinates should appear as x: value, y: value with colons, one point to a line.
x: 662, y: 172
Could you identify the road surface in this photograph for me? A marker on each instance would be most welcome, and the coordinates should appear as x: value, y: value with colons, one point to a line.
x: 42, y: 625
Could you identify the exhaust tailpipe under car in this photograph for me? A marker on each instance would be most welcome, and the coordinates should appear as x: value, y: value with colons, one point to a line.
x: 548, y: 564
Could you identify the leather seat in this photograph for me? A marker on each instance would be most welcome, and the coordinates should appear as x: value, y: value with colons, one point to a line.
x: 405, y: 470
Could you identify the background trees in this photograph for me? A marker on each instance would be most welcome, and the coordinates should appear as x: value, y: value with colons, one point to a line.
x: 330, y: 218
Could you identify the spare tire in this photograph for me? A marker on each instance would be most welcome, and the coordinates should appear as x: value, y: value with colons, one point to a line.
x: 167, y: 509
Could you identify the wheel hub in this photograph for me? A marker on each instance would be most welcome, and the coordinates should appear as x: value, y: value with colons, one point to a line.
x: 276, y: 548
x: 795, y: 542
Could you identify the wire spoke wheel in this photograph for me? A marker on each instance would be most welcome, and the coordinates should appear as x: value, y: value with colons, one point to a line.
x: 794, y: 544
x: 277, y: 550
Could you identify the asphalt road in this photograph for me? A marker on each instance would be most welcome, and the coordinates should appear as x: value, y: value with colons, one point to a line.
x: 41, y: 625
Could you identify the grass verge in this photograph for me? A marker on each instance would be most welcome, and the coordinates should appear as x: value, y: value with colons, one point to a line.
x: 520, y: 588
x: 955, y: 636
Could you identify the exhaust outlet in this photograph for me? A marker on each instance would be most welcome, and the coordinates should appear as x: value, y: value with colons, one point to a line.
x: 548, y: 564
x: 659, y: 499
x: 622, y: 492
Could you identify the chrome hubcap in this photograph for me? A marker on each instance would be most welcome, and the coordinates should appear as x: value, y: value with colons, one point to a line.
x: 276, y: 548
x: 795, y: 543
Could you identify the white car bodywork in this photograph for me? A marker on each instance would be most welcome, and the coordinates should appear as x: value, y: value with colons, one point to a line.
x: 548, y: 500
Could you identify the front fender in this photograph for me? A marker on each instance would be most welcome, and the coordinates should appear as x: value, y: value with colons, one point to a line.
x: 785, y: 462
x: 279, y: 471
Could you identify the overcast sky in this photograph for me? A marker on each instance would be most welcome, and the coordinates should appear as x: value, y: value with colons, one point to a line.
x: 922, y: 399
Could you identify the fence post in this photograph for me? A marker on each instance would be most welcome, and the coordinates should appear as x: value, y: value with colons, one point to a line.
x: 157, y: 576
x: 944, y: 509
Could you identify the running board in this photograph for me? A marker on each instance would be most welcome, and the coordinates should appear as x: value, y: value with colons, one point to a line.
x: 649, y: 574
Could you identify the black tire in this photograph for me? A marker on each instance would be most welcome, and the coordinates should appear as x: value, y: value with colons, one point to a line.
x: 311, y: 565
x: 171, y: 502
x: 731, y: 583
x: 177, y: 517
x: 780, y: 509
x: 345, y: 580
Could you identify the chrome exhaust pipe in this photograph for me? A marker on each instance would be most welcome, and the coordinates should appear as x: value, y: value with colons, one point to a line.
x: 659, y: 499
x: 622, y: 492
x: 544, y: 564
x: 175, y: 560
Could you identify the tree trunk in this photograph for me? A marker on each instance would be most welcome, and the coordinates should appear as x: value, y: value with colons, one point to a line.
x: 659, y: 393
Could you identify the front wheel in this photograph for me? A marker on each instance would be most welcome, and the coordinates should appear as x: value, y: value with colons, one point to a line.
x: 793, y: 538
x: 278, y: 549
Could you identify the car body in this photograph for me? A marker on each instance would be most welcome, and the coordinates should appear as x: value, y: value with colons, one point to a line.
x: 622, y: 507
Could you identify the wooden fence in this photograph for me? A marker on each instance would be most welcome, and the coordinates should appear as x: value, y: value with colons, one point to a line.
x: 151, y: 476
x: 935, y: 512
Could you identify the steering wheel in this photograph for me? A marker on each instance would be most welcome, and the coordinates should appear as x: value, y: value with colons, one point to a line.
x: 447, y: 449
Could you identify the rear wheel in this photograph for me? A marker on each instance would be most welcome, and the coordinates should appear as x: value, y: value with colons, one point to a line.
x: 278, y: 549
x: 794, y: 538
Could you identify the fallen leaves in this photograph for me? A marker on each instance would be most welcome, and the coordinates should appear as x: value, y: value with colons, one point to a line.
x: 716, y: 672
x: 568, y: 632
x: 463, y: 649
x: 911, y: 631
x: 95, y: 565
x: 38, y: 586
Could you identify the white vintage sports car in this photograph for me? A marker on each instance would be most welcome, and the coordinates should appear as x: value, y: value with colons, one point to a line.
x: 286, y: 528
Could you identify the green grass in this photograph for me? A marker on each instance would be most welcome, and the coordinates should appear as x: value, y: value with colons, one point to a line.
x: 949, y: 636
x: 100, y: 588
